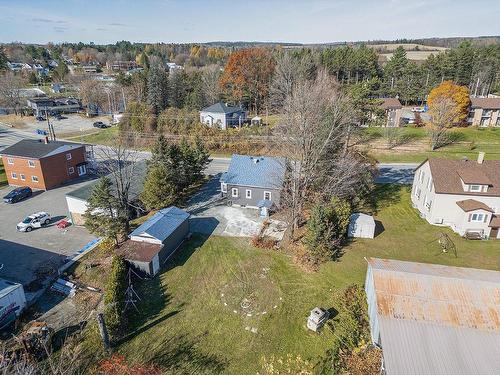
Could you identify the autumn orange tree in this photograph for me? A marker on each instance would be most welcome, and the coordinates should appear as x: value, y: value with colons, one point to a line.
x: 247, y: 75
x: 456, y: 94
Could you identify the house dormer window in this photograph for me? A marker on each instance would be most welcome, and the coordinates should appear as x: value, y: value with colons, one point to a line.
x: 475, y: 188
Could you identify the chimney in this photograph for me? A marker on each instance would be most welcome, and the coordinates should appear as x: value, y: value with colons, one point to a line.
x: 46, y: 140
x: 480, y: 158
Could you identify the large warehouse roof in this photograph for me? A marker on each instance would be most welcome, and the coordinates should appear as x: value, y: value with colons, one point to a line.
x: 437, y: 319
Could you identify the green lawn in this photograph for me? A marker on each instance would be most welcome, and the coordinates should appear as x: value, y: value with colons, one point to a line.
x: 191, y: 317
x: 469, y: 141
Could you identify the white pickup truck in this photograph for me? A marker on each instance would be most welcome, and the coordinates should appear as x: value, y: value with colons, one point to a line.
x: 36, y: 220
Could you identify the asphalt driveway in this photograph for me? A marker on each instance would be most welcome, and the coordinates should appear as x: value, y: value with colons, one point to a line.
x: 24, y: 254
x: 211, y: 215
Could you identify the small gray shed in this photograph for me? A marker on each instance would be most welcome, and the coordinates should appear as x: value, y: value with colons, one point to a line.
x: 152, y: 243
x: 361, y: 226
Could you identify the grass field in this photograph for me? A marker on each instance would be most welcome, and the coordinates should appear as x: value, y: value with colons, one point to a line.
x: 193, y: 317
x: 469, y: 142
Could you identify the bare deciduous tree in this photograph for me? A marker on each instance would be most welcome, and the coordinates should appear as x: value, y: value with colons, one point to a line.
x: 93, y: 94
x: 120, y: 164
x: 210, y: 83
x: 442, y: 115
x: 314, y: 135
x: 10, y: 95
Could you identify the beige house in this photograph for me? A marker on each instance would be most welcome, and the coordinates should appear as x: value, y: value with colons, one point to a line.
x: 461, y: 194
x: 484, y: 112
x: 393, y: 110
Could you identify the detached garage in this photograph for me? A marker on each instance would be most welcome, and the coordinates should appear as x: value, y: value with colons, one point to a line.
x: 361, y: 226
x: 152, y: 243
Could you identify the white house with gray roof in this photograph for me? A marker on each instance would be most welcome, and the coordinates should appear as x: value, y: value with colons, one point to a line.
x: 223, y: 116
x: 254, y: 181
x: 461, y: 194
x: 434, y: 319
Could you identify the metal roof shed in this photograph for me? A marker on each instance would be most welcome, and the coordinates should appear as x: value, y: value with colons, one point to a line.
x: 434, y: 319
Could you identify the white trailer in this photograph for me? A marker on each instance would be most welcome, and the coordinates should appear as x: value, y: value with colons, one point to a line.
x: 12, y: 301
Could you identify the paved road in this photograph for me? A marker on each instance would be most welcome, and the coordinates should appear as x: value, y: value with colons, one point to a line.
x: 401, y: 173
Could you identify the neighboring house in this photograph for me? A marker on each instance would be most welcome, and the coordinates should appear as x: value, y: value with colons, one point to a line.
x: 77, y: 199
x: 43, y: 164
x: 222, y: 116
x: 121, y: 65
x: 18, y: 66
x: 152, y: 243
x: 434, y: 319
x: 90, y: 68
x: 484, y: 112
x: 41, y: 106
x: 254, y: 181
x: 461, y: 194
x: 57, y: 88
x: 172, y: 67
x: 393, y: 110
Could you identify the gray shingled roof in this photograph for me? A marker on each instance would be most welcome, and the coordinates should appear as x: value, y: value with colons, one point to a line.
x: 221, y: 108
x: 257, y: 171
x: 136, y: 186
x: 37, y: 149
x: 163, y: 223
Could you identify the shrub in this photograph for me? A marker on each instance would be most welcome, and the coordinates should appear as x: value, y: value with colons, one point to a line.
x: 114, y: 296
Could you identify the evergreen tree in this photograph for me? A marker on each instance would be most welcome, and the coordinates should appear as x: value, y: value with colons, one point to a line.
x: 158, y: 190
x: 177, y: 89
x: 102, y: 216
x: 157, y: 89
x: 3, y: 60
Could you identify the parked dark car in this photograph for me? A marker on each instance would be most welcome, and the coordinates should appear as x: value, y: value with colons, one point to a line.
x: 18, y: 194
x: 100, y: 124
x: 40, y: 118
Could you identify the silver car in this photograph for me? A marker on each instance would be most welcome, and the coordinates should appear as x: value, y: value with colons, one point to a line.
x: 36, y: 220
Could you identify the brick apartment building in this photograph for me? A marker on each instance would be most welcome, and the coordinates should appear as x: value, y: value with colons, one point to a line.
x: 43, y: 164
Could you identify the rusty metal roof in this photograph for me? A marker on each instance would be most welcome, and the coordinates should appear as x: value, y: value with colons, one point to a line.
x: 437, y: 319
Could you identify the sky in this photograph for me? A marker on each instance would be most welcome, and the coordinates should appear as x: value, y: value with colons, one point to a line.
x: 300, y: 21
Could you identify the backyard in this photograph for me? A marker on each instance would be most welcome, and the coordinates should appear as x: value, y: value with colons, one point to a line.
x: 222, y: 305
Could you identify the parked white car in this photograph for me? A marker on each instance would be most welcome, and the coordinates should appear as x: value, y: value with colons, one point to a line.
x: 36, y: 220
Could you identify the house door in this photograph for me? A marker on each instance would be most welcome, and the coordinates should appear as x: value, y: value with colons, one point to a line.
x: 494, y: 233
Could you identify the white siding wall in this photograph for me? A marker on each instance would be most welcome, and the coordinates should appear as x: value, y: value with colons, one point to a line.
x: 444, y: 209
x: 145, y: 238
x: 372, y: 306
x: 217, y: 117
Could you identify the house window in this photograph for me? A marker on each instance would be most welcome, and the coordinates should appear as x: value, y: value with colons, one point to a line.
x: 23, y: 177
x: 234, y: 192
x: 418, y: 193
x: 14, y: 175
x: 68, y: 156
x: 478, y: 218
x: 475, y: 188
x: 10, y: 161
x: 429, y: 184
x: 82, y: 169
x: 248, y: 194
x: 422, y: 175
x: 71, y: 170
x: 267, y: 195
x: 34, y: 178
x: 223, y: 187
x: 31, y: 164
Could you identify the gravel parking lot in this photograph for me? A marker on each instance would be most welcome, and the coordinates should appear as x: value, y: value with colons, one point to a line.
x: 22, y: 254
x: 71, y: 124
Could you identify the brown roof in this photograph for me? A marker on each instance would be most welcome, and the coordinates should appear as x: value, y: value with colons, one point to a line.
x: 390, y: 103
x: 447, y: 173
x: 436, y: 294
x: 485, y: 103
x: 472, y: 205
x: 139, y: 251
x: 495, y: 221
